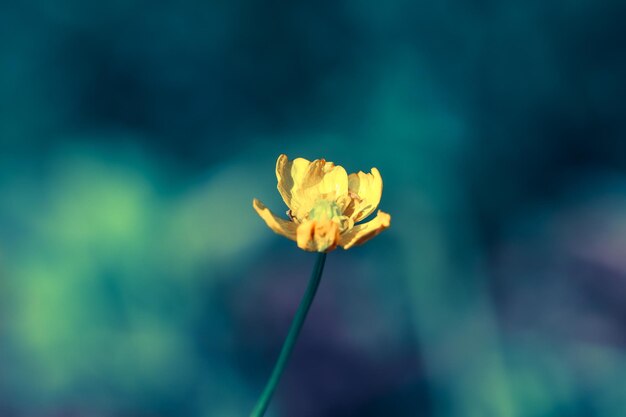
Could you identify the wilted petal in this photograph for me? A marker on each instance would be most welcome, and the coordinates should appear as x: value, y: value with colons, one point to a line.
x: 282, y: 227
x: 361, y: 233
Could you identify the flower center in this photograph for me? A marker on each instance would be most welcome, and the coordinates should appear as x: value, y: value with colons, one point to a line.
x: 324, y: 210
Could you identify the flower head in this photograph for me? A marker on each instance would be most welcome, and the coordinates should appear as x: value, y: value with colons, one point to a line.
x: 325, y: 205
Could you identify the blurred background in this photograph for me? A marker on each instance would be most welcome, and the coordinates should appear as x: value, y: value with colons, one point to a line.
x: 137, y: 281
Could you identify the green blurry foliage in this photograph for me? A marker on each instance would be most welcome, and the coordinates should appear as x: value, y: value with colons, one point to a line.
x: 104, y: 280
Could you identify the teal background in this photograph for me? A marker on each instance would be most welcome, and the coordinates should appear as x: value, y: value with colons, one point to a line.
x: 137, y: 281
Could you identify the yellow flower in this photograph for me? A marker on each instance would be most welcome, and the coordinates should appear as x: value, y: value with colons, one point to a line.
x: 325, y: 205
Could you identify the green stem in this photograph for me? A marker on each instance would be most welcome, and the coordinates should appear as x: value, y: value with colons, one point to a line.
x: 292, y: 336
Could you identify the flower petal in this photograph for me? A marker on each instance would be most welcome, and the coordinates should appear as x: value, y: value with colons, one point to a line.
x: 366, y: 191
x: 318, y: 235
x: 301, y: 183
x: 334, y: 184
x: 324, y: 181
x: 361, y: 233
x: 290, y: 176
x: 281, y: 226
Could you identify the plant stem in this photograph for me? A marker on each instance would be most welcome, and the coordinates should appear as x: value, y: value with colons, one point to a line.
x: 292, y: 336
